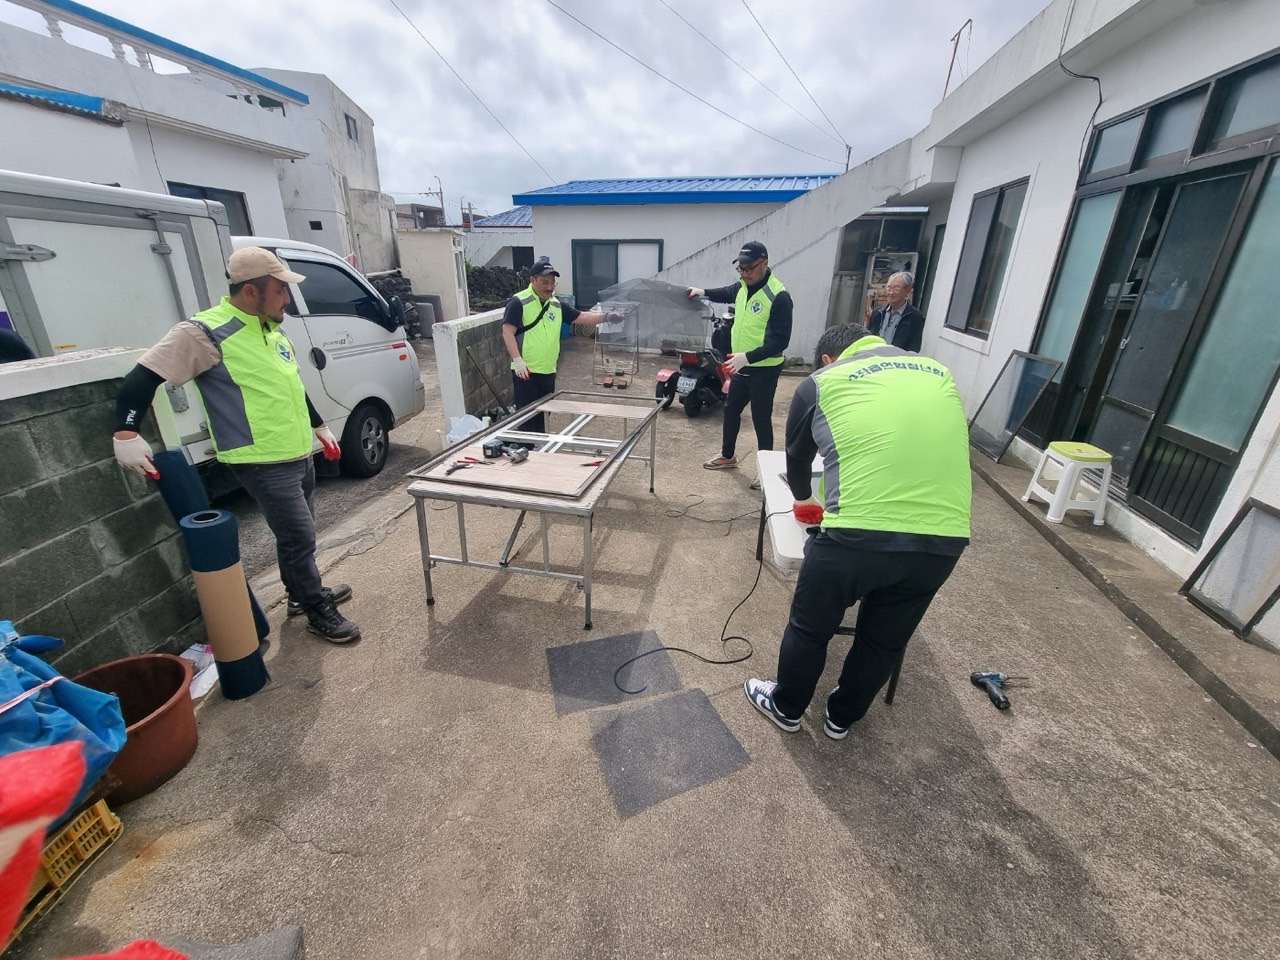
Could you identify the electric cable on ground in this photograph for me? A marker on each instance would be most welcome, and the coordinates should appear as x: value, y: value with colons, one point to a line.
x: 723, y: 630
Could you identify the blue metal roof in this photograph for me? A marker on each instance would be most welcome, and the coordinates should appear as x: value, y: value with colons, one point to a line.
x: 515, y: 217
x: 765, y: 188
x: 72, y: 102
x: 78, y: 11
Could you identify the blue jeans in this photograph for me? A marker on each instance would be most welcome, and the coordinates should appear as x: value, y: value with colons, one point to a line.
x: 286, y: 494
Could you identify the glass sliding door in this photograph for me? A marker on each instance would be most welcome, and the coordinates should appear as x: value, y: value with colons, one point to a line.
x: 1226, y: 384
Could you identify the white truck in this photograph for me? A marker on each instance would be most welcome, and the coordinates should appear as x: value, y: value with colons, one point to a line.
x: 84, y: 265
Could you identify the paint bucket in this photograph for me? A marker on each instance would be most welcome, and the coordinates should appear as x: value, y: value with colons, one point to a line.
x: 160, y: 719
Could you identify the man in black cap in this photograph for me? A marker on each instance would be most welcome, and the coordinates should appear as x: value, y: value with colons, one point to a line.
x: 761, y: 332
x: 531, y: 332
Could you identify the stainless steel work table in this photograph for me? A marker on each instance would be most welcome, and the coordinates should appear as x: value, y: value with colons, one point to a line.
x: 480, y: 487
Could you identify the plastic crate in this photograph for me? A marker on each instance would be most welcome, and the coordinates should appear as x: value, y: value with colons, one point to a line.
x: 64, y: 859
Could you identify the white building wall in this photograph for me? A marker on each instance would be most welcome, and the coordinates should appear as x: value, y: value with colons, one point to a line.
x: 186, y: 158
x: 56, y: 144
x: 427, y: 259
x: 491, y: 246
x: 684, y: 229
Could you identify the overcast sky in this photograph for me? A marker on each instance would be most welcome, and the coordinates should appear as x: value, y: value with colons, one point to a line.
x: 582, y: 109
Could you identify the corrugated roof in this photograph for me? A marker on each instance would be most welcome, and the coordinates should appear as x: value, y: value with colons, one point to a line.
x: 97, y: 107
x: 765, y: 188
x: 93, y: 20
x: 515, y: 217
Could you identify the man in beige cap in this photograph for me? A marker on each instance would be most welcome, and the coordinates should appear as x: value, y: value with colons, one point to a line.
x: 260, y: 418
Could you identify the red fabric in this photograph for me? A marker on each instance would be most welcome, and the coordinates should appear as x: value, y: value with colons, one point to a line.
x: 810, y: 514
x: 35, y: 787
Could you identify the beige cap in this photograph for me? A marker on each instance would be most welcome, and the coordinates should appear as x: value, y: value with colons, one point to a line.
x: 250, y: 263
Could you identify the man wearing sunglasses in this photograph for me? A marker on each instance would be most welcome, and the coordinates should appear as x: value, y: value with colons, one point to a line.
x: 761, y: 332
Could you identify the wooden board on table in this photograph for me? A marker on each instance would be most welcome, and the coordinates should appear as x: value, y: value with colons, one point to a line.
x: 629, y: 411
x: 560, y: 474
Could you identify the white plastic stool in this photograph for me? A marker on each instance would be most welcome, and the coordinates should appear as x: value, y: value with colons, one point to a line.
x: 1073, y: 459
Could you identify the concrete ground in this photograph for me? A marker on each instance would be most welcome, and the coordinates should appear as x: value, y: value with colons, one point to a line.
x: 435, y: 791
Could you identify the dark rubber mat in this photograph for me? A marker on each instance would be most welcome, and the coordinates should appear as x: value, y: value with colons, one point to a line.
x: 582, y: 673
x: 655, y: 750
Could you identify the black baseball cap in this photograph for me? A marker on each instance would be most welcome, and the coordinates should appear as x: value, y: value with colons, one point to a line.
x: 542, y: 265
x: 751, y: 251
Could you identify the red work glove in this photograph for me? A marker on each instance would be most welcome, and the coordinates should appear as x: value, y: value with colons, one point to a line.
x: 330, y: 443
x: 808, y: 512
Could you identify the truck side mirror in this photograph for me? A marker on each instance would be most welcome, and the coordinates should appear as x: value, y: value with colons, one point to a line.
x: 397, y: 311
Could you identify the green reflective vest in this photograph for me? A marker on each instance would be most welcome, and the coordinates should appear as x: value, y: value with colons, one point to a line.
x: 894, y: 441
x: 539, y: 345
x: 751, y: 316
x: 255, y: 400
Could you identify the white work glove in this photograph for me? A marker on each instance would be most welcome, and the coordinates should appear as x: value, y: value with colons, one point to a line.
x: 327, y: 440
x: 520, y: 368
x: 694, y: 292
x: 135, y: 454
x: 736, y: 362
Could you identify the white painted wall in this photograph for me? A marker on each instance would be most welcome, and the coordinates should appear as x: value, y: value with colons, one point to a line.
x: 187, y: 158
x: 684, y: 229
x: 427, y: 259
x: 56, y: 144
x: 444, y: 335
x: 491, y: 246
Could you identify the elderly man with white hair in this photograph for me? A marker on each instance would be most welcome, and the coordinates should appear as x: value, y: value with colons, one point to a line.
x: 898, y: 323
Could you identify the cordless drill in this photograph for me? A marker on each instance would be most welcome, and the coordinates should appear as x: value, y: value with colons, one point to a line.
x: 993, y: 682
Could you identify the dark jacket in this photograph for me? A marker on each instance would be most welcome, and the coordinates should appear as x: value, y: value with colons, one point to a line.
x: 910, y: 331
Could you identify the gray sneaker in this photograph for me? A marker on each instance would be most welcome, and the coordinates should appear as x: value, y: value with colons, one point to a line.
x: 338, y: 593
x: 324, y: 620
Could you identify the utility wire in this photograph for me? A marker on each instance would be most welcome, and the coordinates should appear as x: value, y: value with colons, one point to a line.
x: 469, y: 90
x: 708, y: 103
x: 776, y: 96
x: 794, y: 74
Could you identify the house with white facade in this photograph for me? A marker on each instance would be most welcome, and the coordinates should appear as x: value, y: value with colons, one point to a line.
x: 502, y: 240
x: 207, y: 129
x: 1104, y: 191
x: 600, y: 232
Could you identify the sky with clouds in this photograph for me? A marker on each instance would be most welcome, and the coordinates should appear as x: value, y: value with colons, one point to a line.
x: 582, y: 108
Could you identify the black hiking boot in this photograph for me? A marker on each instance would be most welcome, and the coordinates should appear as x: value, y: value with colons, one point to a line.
x: 324, y: 620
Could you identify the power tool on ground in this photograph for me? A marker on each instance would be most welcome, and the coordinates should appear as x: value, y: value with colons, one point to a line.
x: 993, y: 682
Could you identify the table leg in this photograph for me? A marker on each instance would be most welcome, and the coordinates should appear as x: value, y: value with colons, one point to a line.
x: 511, y: 540
x: 546, y: 542
x: 653, y: 449
x: 424, y: 546
x: 586, y: 566
x: 760, y: 533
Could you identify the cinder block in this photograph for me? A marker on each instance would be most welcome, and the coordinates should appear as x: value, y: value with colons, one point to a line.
x: 20, y: 464
x: 35, y: 405
x: 161, y: 618
x: 116, y: 591
x: 128, y: 532
x: 69, y: 439
x: 110, y: 643
x: 54, y: 620
x: 39, y: 576
x: 42, y: 511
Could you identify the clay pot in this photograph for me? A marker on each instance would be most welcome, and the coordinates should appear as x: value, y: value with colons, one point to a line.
x: 160, y: 719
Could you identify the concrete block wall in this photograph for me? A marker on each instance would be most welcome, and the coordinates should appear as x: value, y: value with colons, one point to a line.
x: 462, y: 389
x: 88, y: 552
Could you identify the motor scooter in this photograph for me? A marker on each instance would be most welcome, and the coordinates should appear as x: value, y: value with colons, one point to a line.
x: 703, y: 379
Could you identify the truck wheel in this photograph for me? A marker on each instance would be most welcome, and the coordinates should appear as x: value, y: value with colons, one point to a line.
x: 364, y: 442
x: 692, y: 405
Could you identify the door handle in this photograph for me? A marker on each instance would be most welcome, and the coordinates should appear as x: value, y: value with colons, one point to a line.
x: 318, y: 359
x: 1123, y: 342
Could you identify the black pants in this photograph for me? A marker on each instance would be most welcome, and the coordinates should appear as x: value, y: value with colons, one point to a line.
x: 527, y: 391
x: 287, y: 494
x: 754, y: 385
x: 895, y: 589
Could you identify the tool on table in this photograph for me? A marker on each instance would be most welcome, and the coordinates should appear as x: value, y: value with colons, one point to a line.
x: 492, y: 448
x: 592, y: 463
x: 993, y: 682
x: 515, y: 454
x: 457, y: 465
x: 475, y: 460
